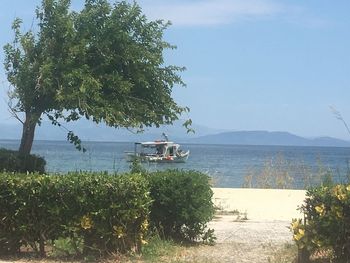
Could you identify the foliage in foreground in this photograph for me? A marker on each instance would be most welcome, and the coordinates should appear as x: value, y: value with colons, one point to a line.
x: 13, y: 161
x: 106, y: 213
x: 326, y: 228
x: 96, y: 214
x: 156, y: 249
x: 182, y: 203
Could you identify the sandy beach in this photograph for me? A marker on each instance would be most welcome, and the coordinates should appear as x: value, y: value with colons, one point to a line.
x: 257, y: 237
x: 264, y: 214
x: 257, y: 234
x: 260, y: 204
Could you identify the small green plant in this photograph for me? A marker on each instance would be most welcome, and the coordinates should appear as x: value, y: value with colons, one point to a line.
x: 67, y: 247
x: 136, y: 167
x: 157, y: 247
x: 243, y: 216
x: 209, y: 237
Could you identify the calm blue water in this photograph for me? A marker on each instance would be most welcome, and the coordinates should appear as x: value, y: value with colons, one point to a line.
x: 226, y: 164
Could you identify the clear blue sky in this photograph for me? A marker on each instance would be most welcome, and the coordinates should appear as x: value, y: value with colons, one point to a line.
x: 251, y: 64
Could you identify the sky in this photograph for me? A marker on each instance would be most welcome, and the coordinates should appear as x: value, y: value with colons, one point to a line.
x: 250, y: 64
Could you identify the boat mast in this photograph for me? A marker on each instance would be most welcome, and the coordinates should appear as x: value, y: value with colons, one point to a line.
x: 165, y: 137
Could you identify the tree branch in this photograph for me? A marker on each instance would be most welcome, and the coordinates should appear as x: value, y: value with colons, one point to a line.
x: 13, y: 112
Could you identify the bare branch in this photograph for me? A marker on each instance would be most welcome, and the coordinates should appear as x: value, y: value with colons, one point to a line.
x: 38, y: 83
x: 13, y: 111
x: 338, y: 115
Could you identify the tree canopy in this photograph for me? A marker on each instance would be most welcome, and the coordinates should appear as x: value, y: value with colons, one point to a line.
x: 104, y: 63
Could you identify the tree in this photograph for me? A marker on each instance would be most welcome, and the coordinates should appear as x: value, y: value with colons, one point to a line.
x: 104, y: 63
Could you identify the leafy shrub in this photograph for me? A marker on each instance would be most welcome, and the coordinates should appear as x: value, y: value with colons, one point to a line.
x: 327, y: 222
x: 107, y: 213
x: 182, y: 203
x: 95, y: 213
x: 12, y: 161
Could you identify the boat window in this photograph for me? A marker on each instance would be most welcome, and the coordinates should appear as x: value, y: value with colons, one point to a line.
x: 159, y: 150
x: 148, y: 151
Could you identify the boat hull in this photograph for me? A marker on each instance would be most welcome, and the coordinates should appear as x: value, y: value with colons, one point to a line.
x: 158, y: 159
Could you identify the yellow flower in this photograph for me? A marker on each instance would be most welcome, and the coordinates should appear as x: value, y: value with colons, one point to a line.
x: 295, y: 224
x: 118, y: 231
x: 341, y: 197
x: 143, y: 242
x: 145, y: 225
x: 86, y: 222
x: 339, y: 192
x: 299, y: 235
x: 320, y: 209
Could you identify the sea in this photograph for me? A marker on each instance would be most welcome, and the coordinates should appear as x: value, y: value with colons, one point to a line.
x: 228, y: 165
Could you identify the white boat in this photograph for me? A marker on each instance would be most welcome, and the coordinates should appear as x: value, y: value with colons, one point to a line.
x: 159, y: 151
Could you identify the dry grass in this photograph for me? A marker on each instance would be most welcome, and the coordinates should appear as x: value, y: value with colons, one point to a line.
x: 168, y: 251
x: 285, y: 254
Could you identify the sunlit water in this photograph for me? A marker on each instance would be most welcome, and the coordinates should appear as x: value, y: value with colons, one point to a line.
x: 226, y: 164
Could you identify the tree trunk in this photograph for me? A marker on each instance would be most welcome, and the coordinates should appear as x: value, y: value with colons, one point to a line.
x: 303, y: 256
x: 42, y: 247
x: 28, y: 133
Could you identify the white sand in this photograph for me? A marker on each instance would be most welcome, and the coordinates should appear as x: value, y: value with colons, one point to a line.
x: 269, y: 213
x: 261, y: 204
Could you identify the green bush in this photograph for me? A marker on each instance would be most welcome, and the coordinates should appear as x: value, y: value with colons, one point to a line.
x: 97, y: 213
x: 107, y: 213
x: 327, y: 222
x: 182, y: 203
x: 12, y: 161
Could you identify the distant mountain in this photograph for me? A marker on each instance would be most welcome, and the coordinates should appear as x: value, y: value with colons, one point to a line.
x: 267, y: 138
x: 329, y: 141
x: 89, y: 131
